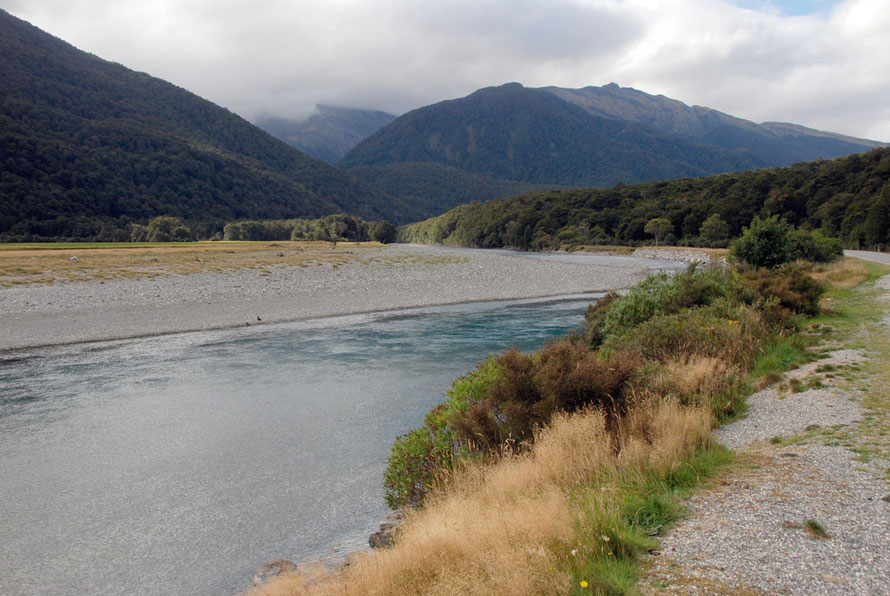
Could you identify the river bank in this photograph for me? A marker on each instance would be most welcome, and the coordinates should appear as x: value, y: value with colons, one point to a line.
x: 295, y: 283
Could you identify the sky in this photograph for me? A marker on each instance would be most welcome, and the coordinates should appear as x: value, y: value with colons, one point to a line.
x: 820, y: 63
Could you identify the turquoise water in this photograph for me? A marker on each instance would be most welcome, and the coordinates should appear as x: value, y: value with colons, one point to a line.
x: 176, y: 464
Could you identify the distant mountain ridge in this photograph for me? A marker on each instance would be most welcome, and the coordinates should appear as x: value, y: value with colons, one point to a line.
x: 528, y: 135
x: 773, y: 143
x: 329, y: 133
x: 87, y: 145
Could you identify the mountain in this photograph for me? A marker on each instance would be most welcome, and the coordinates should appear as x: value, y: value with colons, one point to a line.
x: 772, y: 143
x: 329, y: 133
x: 433, y: 188
x: 88, y: 146
x: 529, y: 135
x: 846, y: 197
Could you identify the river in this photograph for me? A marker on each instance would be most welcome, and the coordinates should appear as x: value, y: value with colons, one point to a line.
x: 176, y: 464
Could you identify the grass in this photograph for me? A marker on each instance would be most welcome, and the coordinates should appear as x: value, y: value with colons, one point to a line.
x: 572, y: 509
x: 69, y: 262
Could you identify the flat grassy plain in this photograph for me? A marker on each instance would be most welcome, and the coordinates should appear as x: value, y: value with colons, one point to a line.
x: 67, y: 262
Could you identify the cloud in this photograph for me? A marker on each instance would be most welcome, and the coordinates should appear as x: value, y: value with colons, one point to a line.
x: 757, y: 59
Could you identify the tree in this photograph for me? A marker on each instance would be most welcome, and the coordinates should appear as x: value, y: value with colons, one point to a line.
x: 160, y: 229
x: 383, y: 232
x: 764, y: 243
x: 714, y: 231
x: 658, y: 227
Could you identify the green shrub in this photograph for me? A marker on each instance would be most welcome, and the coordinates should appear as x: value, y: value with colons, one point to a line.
x: 414, y: 465
x: 663, y: 294
x: 789, y: 289
x: 594, y: 319
x: 763, y: 244
x: 816, y: 247
x: 694, y: 332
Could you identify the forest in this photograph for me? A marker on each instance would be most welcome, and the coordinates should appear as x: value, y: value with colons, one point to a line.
x: 846, y: 198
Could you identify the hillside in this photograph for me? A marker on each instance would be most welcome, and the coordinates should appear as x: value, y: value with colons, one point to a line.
x: 329, y: 133
x: 528, y: 135
x: 847, y: 197
x: 88, y: 146
x: 433, y: 188
x: 773, y: 143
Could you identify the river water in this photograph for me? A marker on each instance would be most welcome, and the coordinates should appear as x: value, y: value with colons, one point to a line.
x: 175, y: 464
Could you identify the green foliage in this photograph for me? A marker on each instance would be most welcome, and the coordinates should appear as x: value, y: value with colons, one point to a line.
x: 419, y: 457
x: 562, y: 376
x: 714, y: 231
x: 815, y: 246
x: 694, y: 332
x: 383, y: 232
x: 499, y: 405
x: 416, y: 461
x: 167, y: 229
x: 336, y: 227
x: 649, y: 505
x: 663, y: 294
x: 763, y: 244
x: 835, y: 196
x: 658, y: 227
x: 699, y: 315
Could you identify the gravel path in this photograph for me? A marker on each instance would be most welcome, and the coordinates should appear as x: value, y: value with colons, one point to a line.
x: 750, y: 533
x: 400, y: 277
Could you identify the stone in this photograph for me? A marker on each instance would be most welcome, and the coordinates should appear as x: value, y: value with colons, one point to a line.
x: 267, y: 571
x: 381, y: 539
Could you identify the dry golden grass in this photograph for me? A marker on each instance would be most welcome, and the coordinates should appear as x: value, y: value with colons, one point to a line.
x: 845, y: 273
x: 697, y: 378
x: 508, y: 527
x: 53, y: 263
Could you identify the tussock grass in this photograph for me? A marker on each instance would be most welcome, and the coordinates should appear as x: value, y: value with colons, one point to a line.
x: 48, y: 263
x: 575, y: 507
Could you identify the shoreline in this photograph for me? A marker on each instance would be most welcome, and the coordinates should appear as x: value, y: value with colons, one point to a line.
x: 399, y: 277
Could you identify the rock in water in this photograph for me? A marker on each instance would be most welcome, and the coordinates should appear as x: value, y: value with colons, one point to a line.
x: 266, y: 571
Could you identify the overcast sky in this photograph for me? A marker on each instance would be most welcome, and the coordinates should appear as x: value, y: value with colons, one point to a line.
x: 820, y: 63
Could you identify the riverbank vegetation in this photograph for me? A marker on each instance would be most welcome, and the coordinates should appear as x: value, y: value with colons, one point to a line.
x: 846, y: 198
x: 552, y: 472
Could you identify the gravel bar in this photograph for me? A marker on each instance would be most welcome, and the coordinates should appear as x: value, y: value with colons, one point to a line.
x: 758, y: 531
x: 402, y: 276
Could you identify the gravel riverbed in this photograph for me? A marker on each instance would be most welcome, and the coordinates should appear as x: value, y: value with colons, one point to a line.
x: 801, y: 470
x: 399, y: 276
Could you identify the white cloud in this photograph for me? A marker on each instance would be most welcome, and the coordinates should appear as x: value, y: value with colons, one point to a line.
x: 829, y: 69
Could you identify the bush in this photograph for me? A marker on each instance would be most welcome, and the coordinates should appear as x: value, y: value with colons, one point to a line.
x: 788, y: 290
x: 562, y: 376
x: 815, y: 247
x: 763, y: 244
x: 695, y: 332
x: 414, y: 465
x: 662, y: 294
x: 594, y: 319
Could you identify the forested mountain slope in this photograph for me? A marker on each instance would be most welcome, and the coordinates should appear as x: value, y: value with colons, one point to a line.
x: 88, y: 146
x: 528, y: 135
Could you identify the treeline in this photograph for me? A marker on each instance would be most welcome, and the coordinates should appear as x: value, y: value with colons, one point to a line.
x: 846, y: 198
x: 331, y: 228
